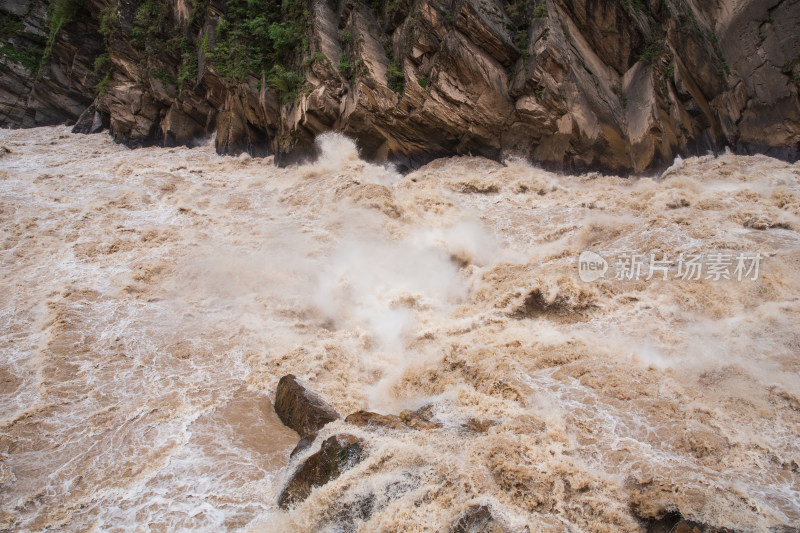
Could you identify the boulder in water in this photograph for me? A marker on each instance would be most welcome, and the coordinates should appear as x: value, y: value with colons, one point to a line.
x: 304, y: 444
x: 675, y: 523
x: 302, y: 409
x: 478, y: 519
x: 336, y: 455
x: 370, y: 419
x: 406, y: 420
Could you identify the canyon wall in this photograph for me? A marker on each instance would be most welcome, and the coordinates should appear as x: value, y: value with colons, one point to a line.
x: 621, y: 85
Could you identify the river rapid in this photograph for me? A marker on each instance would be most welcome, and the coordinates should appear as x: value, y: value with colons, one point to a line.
x: 152, y: 298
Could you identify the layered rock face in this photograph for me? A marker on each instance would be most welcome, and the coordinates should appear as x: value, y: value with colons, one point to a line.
x: 36, y: 90
x: 620, y: 85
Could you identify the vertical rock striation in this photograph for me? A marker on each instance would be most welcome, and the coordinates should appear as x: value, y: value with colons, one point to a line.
x: 618, y: 85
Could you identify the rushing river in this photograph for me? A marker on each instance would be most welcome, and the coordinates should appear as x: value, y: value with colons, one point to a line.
x: 152, y: 298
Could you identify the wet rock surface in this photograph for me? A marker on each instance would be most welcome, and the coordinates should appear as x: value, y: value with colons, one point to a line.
x: 675, y: 523
x: 91, y: 121
x: 302, y: 409
x: 407, y: 419
x: 478, y: 519
x: 306, y: 412
x: 336, y: 455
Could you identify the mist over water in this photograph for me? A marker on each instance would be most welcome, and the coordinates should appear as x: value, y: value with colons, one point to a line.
x: 152, y: 298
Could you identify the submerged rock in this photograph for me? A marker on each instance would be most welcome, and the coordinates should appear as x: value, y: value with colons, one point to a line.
x: 479, y: 426
x: 302, y: 409
x: 351, y: 512
x: 336, y: 455
x: 478, y: 519
x: 675, y: 523
x: 406, y: 420
x: 370, y: 419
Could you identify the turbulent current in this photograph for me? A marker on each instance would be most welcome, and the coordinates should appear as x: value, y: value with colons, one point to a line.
x: 152, y: 298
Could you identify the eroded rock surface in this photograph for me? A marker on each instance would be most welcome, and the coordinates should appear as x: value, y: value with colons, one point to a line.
x: 478, y: 519
x: 336, y: 455
x: 301, y: 409
x: 405, y: 420
x: 570, y: 83
x: 675, y: 523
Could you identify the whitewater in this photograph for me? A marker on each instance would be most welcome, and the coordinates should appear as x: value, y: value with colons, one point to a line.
x: 151, y: 299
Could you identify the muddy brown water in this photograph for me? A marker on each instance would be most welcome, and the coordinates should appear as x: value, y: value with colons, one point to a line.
x: 152, y: 298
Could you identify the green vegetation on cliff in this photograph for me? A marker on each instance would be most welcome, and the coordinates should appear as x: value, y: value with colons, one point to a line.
x: 59, y: 12
x: 19, y: 46
x: 151, y: 27
x: 255, y: 37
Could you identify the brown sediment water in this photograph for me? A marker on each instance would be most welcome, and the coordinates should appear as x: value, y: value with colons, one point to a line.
x: 152, y: 298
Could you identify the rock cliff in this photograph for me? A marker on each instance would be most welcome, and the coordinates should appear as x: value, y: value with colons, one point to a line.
x: 614, y: 84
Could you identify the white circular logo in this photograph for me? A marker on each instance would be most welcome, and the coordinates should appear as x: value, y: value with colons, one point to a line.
x: 591, y: 266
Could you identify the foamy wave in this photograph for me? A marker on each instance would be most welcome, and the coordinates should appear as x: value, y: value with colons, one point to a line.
x: 154, y: 297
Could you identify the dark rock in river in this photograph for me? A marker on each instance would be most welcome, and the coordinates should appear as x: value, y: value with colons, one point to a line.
x: 304, y: 444
x: 675, y: 523
x: 336, y: 455
x: 407, y: 419
x: 91, y: 121
x: 478, y: 519
x: 370, y: 419
x: 302, y: 409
